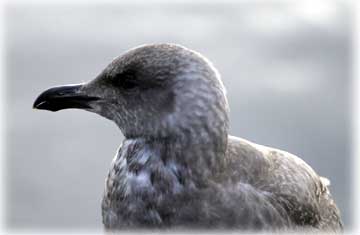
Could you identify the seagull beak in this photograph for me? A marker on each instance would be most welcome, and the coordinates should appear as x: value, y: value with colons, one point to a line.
x: 64, y: 97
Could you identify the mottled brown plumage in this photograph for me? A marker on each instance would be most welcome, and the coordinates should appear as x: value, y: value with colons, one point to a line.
x: 178, y: 167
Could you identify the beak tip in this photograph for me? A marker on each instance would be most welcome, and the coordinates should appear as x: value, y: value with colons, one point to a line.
x: 34, y: 105
x: 37, y: 104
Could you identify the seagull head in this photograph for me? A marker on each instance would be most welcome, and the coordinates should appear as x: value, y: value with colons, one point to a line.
x: 152, y: 91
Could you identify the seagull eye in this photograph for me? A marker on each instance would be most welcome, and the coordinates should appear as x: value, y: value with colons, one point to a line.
x: 127, y: 81
x: 128, y: 84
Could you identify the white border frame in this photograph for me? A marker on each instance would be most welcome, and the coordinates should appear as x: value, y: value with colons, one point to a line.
x: 355, y: 99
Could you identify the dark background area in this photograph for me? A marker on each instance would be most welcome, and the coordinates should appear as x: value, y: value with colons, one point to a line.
x: 286, y: 67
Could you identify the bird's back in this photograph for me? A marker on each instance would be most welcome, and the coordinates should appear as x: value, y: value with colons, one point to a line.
x: 288, y: 180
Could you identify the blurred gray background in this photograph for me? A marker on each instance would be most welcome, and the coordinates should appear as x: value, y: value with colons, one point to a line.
x: 286, y: 66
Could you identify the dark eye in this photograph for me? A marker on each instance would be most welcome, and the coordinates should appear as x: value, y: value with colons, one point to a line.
x: 127, y: 80
x: 128, y: 84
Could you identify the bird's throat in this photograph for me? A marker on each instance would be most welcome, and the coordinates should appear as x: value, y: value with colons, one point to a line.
x: 191, y: 161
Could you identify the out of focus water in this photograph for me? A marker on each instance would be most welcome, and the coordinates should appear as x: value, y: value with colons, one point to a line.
x: 286, y: 66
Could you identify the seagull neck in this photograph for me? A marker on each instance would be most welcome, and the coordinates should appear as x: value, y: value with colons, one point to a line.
x: 200, y: 159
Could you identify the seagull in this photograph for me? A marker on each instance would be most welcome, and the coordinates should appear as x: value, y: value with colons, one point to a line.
x: 178, y: 167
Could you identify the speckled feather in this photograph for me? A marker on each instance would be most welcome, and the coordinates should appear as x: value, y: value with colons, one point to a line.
x: 262, y: 188
x: 179, y: 168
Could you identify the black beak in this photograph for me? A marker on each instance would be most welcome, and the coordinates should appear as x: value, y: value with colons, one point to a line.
x: 63, y: 97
